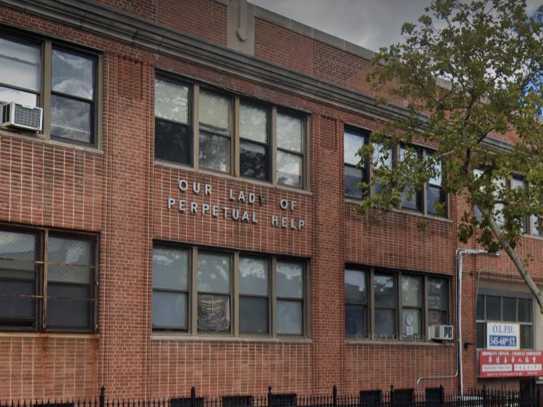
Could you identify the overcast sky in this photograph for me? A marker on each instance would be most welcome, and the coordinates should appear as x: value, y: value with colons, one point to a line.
x: 369, y: 23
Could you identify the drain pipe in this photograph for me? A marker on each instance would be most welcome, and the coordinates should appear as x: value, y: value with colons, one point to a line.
x: 460, y: 253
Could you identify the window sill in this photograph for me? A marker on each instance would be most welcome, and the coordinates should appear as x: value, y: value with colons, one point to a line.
x: 406, y: 212
x: 166, y: 164
x: 38, y: 138
x: 67, y: 335
x: 230, y: 339
x: 372, y: 342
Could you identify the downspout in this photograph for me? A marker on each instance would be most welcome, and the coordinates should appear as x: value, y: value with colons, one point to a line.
x: 459, y: 271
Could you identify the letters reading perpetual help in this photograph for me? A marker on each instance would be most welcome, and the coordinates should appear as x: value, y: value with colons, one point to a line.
x: 244, y: 214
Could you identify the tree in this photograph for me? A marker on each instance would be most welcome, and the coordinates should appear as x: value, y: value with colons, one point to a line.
x: 470, y: 73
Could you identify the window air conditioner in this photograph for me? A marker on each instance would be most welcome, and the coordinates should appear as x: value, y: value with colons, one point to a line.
x: 19, y: 116
x: 440, y: 332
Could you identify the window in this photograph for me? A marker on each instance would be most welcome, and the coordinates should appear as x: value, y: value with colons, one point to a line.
x: 353, y: 174
x: 393, y: 305
x: 72, y: 97
x: 229, y: 293
x: 173, y: 130
x: 69, y: 77
x: 214, y: 290
x: 254, y: 142
x: 290, y: 159
x: 47, y: 280
x: 202, y: 128
x: 215, y: 137
x: 431, y: 200
x: 253, y: 295
x: 356, y: 306
x: 497, y: 308
x: 170, y: 288
x: 290, y: 298
x: 20, y: 71
x: 411, y: 198
x: 530, y: 225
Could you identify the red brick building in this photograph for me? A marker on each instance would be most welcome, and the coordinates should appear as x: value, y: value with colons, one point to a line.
x: 186, y: 215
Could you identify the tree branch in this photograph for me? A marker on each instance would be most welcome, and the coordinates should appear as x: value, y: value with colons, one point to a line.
x: 518, y: 264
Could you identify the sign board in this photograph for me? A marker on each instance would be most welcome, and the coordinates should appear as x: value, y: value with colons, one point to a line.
x: 510, y: 363
x: 502, y: 336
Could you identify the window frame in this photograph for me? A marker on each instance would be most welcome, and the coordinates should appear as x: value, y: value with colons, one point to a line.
x: 517, y: 296
x: 45, y: 95
x: 41, y: 277
x: 421, y: 196
x: 364, y: 134
x: 235, y: 294
x: 370, y: 272
x: 272, y: 110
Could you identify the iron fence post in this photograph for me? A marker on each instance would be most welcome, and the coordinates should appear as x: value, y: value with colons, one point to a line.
x: 102, y: 398
x: 193, y: 396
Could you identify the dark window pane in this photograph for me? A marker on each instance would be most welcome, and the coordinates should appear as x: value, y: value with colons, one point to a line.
x: 384, y: 291
x: 170, y: 268
x: 289, y: 318
x: 214, y: 152
x: 214, y: 273
x: 20, y: 64
x: 509, y: 309
x: 411, y: 323
x: 253, y: 123
x: 356, y: 321
x: 253, y: 276
x: 356, y: 291
x: 352, y: 179
x: 16, y: 302
x: 71, y: 119
x: 524, y: 310
x: 171, y: 101
x: 402, y: 397
x: 17, y: 251
x: 481, y: 335
x: 253, y: 315
x: 526, y: 337
x: 480, y: 307
x: 410, y: 199
x: 213, y: 313
x: 73, y: 74
x: 290, y: 280
x: 169, y: 310
x: 289, y: 169
x: 17, y: 96
x: 438, y: 317
x: 493, y: 305
x: 438, y: 293
x: 173, y: 142
x: 253, y: 160
x: 385, y: 324
x: 436, y: 201
x: 68, y: 306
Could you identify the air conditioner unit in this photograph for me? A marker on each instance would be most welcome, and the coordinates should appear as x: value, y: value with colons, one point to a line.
x: 440, y: 332
x: 19, y: 116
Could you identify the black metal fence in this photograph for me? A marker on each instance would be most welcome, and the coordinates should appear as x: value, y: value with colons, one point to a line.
x: 430, y: 397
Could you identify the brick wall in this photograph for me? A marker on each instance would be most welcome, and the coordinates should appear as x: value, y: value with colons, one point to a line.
x: 119, y: 192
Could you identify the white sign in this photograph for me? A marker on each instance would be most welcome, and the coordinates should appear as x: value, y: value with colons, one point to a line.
x: 502, y: 336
